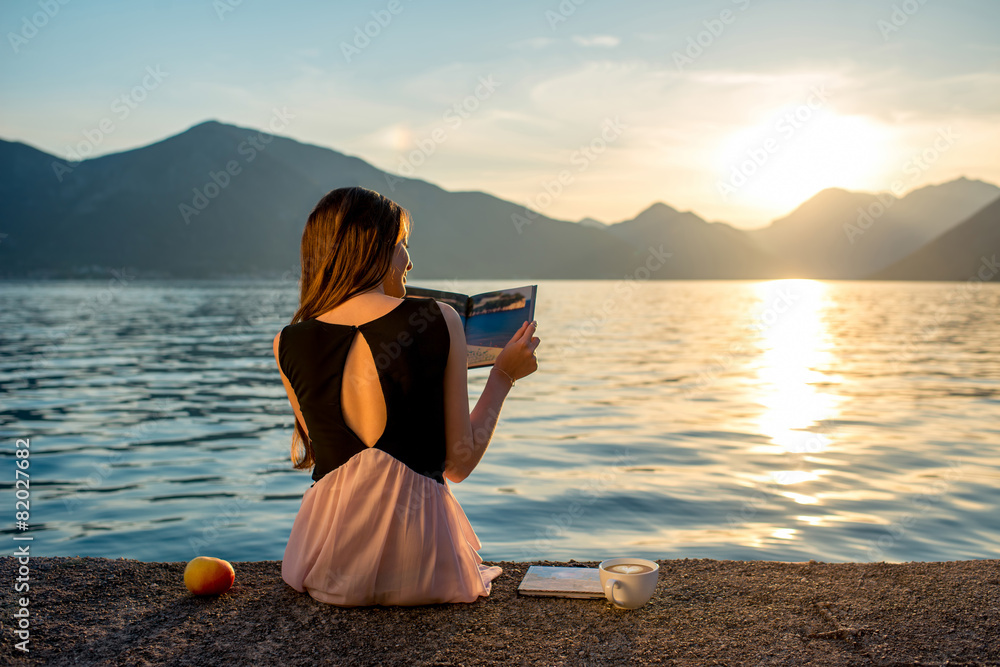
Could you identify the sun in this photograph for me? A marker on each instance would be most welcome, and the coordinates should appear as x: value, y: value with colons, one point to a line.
x: 398, y: 137
x: 798, y: 151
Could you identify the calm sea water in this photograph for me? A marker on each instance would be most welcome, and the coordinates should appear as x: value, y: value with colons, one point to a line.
x: 784, y: 420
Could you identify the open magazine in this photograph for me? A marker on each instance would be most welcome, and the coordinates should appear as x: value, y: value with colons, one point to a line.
x: 490, y: 319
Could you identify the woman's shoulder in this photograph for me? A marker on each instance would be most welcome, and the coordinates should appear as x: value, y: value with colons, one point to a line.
x: 298, y: 326
x: 429, y: 306
x: 291, y: 334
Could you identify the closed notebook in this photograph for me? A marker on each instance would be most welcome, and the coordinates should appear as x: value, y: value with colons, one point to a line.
x: 562, y: 582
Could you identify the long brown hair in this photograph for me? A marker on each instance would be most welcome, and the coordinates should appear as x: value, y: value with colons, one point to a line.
x: 347, y: 248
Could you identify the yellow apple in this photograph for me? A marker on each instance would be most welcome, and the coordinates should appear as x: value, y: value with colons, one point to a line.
x: 206, y: 575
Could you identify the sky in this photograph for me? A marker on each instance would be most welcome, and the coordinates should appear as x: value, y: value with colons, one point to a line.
x: 738, y: 110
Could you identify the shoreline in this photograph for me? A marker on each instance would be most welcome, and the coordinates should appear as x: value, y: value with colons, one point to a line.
x: 87, y: 610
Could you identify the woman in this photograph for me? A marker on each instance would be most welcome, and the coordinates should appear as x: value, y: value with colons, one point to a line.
x: 378, y: 384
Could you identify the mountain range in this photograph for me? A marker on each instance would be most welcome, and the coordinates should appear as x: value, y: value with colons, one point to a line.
x: 219, y: 200
x: 841, y: 234
x: 965, y: 252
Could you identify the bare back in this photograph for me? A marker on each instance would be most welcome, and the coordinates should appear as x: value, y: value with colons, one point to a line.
x: 362, y: 403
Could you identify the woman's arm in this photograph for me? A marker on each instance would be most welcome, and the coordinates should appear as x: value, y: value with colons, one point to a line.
x: 467, y: 435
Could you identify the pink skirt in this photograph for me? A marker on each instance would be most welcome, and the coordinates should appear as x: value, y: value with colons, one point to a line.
x: 374, y: 531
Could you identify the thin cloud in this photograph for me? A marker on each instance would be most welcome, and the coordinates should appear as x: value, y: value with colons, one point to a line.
x: 601, y: 41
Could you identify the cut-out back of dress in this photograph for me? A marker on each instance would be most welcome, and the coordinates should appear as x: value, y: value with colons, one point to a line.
x: 378, y: 384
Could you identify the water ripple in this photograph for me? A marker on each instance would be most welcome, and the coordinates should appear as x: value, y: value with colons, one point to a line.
x: 784, y: 420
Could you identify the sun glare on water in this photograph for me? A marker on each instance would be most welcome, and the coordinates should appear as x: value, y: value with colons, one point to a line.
x: 794, y: 345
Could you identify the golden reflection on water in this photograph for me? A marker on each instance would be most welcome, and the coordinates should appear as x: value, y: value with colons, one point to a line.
x: 795, y: 476
x: 794, y: 342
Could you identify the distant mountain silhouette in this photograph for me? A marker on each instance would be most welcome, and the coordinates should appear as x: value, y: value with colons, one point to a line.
x: 969, y: 251
x: 159, y: 210
x: 219, y: 200
x: 591, y: 222
x: 700, y: 249
x: 841, y: 234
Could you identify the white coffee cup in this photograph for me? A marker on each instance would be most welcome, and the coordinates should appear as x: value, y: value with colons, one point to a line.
x: 628, y: 583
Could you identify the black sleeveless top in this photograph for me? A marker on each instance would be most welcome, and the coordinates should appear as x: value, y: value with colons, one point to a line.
x: 409, y: 345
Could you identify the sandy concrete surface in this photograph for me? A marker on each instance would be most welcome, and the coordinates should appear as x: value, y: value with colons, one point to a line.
x: 98, y: 611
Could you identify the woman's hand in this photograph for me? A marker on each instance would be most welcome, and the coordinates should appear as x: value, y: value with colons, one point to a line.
x: 517, y: 359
